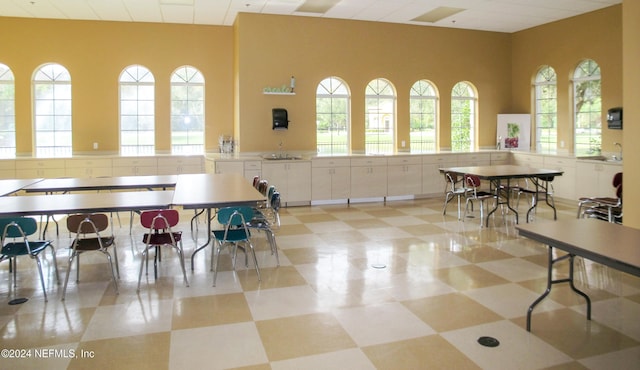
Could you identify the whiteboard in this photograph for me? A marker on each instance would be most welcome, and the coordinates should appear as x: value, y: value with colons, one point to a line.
x: 514, y: 131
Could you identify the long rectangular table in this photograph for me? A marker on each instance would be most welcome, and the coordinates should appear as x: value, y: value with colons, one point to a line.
x: 209, y: 191
x: 497, y: 174
x: 610, y: 244
x: 102, y: 183
x: 11, y: 186
x: 35, y: 205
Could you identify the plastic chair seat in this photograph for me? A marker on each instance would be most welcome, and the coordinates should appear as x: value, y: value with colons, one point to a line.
x: 233, y: 235
x: 162, y: 238
x: 15, y: 249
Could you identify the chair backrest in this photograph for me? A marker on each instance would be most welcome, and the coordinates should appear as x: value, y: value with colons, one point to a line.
x: 617, y: 179
x: 472, y: 181
x: 256, y: 179
x: 452, y: 179
x: 275, y: 201
x: 159, y: 219
x: 87, y: 223
x: 263, y: 185
x: 17, y: 227
x: 234, y: 216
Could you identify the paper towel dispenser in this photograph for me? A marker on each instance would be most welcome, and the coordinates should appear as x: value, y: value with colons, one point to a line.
x: 280, y: 119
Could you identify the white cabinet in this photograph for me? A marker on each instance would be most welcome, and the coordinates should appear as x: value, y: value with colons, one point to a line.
x: 563, y: 186
x: 135, y: 166
x: 35, y: 168
x: 291, y: 178
x: 175, y: 165
x: 229, y: 167
x: 330, y: 178
x: 88, y: 167
x: 368, y: 177
x: 404, y: 175
x: 474, y: 159
x: 526, y: 159
x: 8, y: 169
x: 432, y: 180
x: 252, y: 169
x: 595, y: 179
x: 499, y: 158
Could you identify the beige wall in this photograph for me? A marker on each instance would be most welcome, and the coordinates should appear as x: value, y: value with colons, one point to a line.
x: 631, y: 101
x: 95, y: 53
x: 563, y: 45
x: 273, y: 48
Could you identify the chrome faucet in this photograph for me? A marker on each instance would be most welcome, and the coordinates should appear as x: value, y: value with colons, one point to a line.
x: 280, y: 149
x: 620, y: 156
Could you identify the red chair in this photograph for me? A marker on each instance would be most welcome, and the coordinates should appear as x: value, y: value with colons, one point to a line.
x: 159, y: 223
x: 586, y: 203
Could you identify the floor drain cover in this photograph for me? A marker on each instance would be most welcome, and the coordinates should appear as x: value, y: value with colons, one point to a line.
x: 488, y: 341
x: 379, y: 265
x: 16, y: 301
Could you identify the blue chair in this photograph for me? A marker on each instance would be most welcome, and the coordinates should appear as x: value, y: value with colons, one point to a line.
x: 268, y: 220
x: 15, y: 233
x: 235, y: 232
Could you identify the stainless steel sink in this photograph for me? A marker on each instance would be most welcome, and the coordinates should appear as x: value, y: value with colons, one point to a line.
x: 275, y: 157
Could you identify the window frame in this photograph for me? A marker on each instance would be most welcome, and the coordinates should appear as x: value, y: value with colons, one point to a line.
x: 545, y: 80
x: 52, y: 111
x: 587, y: 72
x: 193, y: 82
x: 337, y: 92
x: 418, y: 94
x: 382, y: 93
x: 464, y: 144
x: 141, y: 80
x: 7, y: 112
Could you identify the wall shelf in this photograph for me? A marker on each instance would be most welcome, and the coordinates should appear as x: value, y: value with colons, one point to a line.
x: 277, y: 93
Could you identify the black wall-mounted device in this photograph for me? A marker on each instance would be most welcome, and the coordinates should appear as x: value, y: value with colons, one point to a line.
x: 614, y: 118
x: 280, y: 119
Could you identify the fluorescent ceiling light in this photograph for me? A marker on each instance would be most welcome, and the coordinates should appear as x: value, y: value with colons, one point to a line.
x: 317, y: 6
x: 176, y: 2
x: 437, y: 14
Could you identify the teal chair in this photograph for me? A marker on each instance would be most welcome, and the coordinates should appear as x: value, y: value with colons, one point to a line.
x: 235, y: 232
x: 15, y: 243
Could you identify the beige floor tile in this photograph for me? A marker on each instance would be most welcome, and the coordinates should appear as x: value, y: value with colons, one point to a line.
x: 481, y: 253
x: 273, y: 277
x: 149, y: 351
x: 323, y: 217
x: 468, y: 277
x: 305, y: 335
x: 53, y: 326
x: 570, y: 332
x: 193, y: 312
x: 345, y: 359
x: 510, y: 300
x: 382, y: 323
x: 217, y: 347
x: 451, y: 311
x: 431, y: 352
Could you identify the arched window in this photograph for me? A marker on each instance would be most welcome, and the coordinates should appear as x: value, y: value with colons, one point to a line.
x: 137, y: 111
x: 333, y: 121
x: 423, y: 117
x: 187, y: 111
x: 546, y: 110
x: 380, y: 117
x: 587, y: 105
x: 463, y: 117
x: 7, y: 113
x: 52, y: 111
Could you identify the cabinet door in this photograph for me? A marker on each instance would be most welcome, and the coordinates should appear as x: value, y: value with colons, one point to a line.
x: 368, y: 182
x: 229, y: 167
x: 606, y: 179
x: 298, y: 182
x: 404, y: 179
x: 329, y: 183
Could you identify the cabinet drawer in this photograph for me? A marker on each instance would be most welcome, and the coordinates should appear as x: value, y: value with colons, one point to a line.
x: 134, y: 162
x: 559, y: 162
x: 88, y: 163
x: 180, y: 161
x: 368, y: 162
x: 331, y: 162
x: 252, y: 165
x: 9, y: 164
x: 39, y: 164
x: 393, y: 161
x: 474, y: 157
x: 441, y: 158
x: 499, y: 156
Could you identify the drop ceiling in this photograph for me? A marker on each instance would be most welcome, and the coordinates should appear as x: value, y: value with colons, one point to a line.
x: 487, y: 15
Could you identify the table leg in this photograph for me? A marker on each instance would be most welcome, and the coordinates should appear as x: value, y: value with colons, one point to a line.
x: 551, y: 281
x: 208, y: 238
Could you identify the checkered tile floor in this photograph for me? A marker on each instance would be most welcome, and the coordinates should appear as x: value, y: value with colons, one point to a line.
x: 392, y: 285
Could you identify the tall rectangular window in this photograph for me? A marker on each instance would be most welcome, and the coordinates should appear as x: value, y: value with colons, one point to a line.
x: 137, y: 112
x: 52, y: 111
